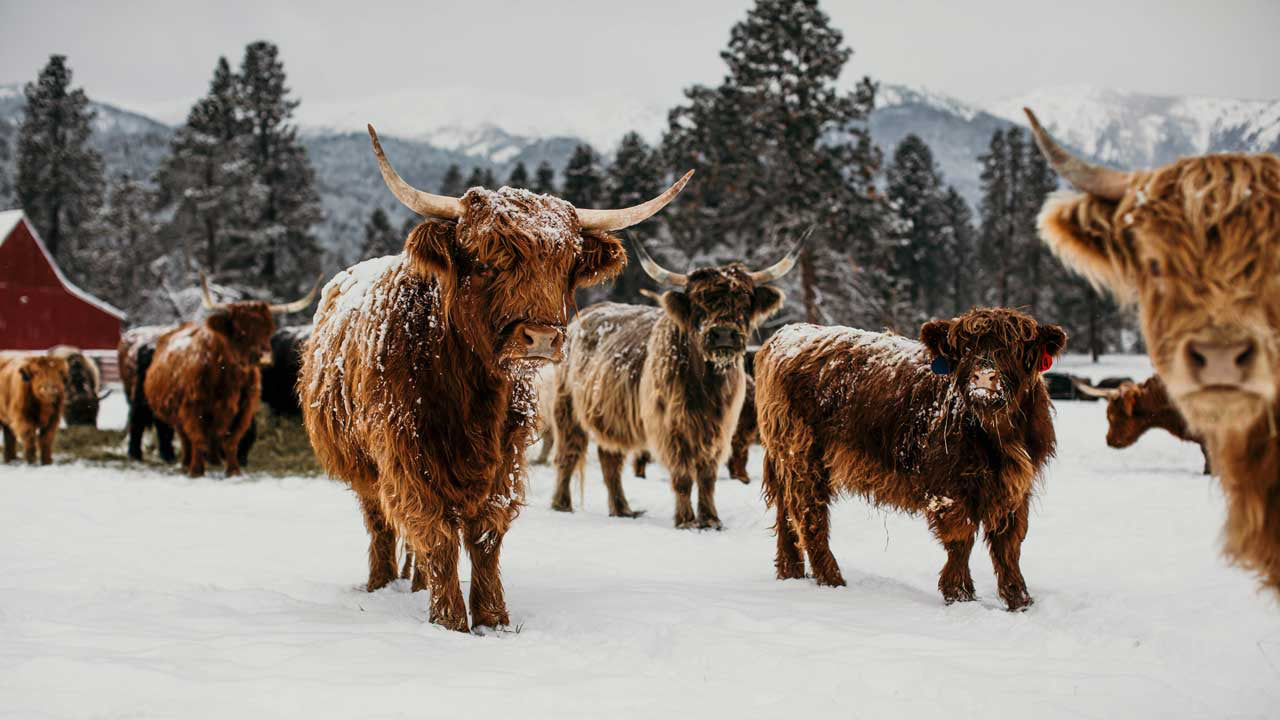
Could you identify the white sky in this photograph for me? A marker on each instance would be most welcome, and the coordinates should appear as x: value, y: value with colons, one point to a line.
x: 157, y: 56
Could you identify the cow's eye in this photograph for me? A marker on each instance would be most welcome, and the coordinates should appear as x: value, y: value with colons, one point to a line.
x: 1153, y: 268
x: 485, y: 271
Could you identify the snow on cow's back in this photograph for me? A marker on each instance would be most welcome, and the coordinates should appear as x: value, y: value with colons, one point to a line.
x: 886, y: 349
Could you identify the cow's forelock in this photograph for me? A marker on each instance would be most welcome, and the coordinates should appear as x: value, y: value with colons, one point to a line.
x: 999, y: 340
x: 720, y: 303
x: 248, y: 325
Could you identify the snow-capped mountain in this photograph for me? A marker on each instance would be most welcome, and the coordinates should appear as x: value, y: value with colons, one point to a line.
x: 1132, y: 130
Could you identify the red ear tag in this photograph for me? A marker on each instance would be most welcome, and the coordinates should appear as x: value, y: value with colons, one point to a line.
x: 1046, y: 362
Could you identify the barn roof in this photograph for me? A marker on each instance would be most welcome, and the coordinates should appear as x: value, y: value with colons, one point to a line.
x: 9, y: 220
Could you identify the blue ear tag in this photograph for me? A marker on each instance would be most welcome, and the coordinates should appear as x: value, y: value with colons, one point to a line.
x: 940, y: 366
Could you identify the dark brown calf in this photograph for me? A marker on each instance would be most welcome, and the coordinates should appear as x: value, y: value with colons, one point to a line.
x: 845, y: 410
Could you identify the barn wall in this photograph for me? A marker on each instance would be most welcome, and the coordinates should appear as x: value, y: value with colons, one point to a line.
x: 36, y: 311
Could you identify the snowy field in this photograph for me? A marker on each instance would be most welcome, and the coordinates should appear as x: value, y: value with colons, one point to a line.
x: 145, y: 594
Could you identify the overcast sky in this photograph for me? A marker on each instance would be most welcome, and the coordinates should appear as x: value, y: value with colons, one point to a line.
x: 157, y: 57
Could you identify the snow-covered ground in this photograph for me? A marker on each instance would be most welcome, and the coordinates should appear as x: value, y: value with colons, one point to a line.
x: 145, y: 594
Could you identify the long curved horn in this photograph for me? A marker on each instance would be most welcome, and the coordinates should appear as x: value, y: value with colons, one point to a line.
x: 206, y: 299
x: 609, y: 220
x: 423, y: 203
x: 1092, y: 391
x: 1098, y: 180
x: 300, y: 304
x: 660, y: 275
x: 783, y: 266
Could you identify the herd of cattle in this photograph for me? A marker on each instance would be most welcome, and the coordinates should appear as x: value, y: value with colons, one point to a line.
x: 427, y: 374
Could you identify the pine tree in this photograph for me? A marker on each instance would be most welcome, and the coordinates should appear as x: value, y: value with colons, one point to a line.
x: 519, y: 176
x: 112, y: 258
x: 8, y: 197
x: 286, y: 250
x: 452, y: 185
x: 379, y: 237
x: 634, y: 177
x: 583, y: 179
x: 1037, y: 182
x: 914, y: 186
x: 544, y: 179
x: 780, y: 148
x: 997, y: 220
x: 477, y: 178
x: 59, y: 177
x: 206, y: 186
x: 961, y: 243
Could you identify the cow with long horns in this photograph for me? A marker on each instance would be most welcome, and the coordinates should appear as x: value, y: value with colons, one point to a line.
x: 669, y: 380
x: 1133, y: 409
x: 204, y: 379
x: 416, y: 382
x: 1194, y: 243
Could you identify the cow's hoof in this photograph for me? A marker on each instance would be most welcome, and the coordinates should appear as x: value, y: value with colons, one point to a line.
x: 1018, y: 601
x: 627, y: 513
x: 709, y: 524
x: 452, y: 624
x: 744, y: 479
x: 495, y: 621
x: 686, y: 525
x: 956, y: 595
x: 562, y: 507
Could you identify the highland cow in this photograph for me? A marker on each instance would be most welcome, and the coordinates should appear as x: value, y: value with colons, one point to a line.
x: 32, y: 398
x: 955, y: 427
x: 84, y: 387
x: 1194, y: 244
x: 416, y: 383
x: 204, y: 379
x: 1134, y: 409
x: 280, y: 377
x: 134, y: 354
x: 744, y: 436
x: 669, y: 380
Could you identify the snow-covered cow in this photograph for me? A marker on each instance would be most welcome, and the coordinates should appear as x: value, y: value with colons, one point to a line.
x: 669, y: 380
x: 1195, y: 244
x: 956, y: 427
x: 416, y: 381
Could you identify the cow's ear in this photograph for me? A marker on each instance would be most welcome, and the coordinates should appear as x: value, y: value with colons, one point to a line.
x: 602, y: 257
x: 1051, y: 339
x: 1128, y: 397
x: 677, y: 305
x: 934, y: 336
x: 766, y: 301
x: 1081, y: 231
x: 430, y: 248
x: 219, y: 321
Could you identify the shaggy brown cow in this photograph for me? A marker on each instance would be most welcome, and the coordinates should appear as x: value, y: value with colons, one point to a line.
x: 744, y: 436
x: 32, y: 396
x: 417, y: 380
x: 869, y: 413
x: 668, y: 380
x: 133, y: 356
x: 84, y: 387
x: 204, y: 380
x: 1133, y: 409
x: 1195, y: 244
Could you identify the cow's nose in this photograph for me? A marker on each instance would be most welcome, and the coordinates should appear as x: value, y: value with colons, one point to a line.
x: 542, y: 341
x: 986, y: 379
x: 722, y: 336
x: 1221, y: 363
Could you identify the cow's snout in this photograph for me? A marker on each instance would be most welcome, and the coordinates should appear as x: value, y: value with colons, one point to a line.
x: 541, y: 341
x: 724, y: 337
x: 985, y: 379
x: 1220, y: 364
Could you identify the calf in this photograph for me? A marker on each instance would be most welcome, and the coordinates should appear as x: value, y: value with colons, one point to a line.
x: 1134, y: 409
x: 84, y: 387
x: 32, y: 398
x: 955, y: 427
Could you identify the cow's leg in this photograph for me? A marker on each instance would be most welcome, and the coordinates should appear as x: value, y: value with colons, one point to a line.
x: 811, y: 510
x: 246, y: 442
x: 611, y: 467
x: 1005, y: 542
x: 955, y: 530
x: 185, y: 444
x: 547, y: 445
x: 640, y: 463
x: 484, y: 543
x: 30, y: 444
x: 140, y: 418
x: 707, y: 515
x: 238, y: 427
x: 10, y: 443
x: 47, y: 437
x: 164, y: 442
x: 440, y: 548
x: 571, y: 444
x: 382, y: 545
x: 196, y: 449
x: 789, y: 559
x: 682, y: 484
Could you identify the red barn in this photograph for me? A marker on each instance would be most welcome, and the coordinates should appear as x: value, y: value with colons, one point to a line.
x: 39, y: 307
